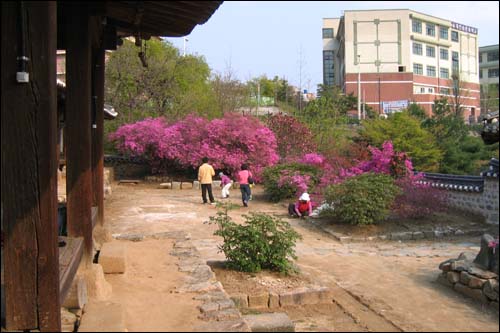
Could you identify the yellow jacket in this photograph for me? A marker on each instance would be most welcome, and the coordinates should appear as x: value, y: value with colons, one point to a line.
x: 205, y: 173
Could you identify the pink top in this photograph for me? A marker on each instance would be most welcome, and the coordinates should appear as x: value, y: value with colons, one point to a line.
x: 225, y: 180
x: 243, y: 177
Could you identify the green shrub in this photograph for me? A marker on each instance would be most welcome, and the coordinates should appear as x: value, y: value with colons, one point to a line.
x: 263, y: 242
x: 278, y: 180
x: 363, y: 199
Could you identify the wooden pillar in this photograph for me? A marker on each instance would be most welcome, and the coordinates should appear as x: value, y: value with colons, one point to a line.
x: 29, y: 167
x: 78, y: 128
x: 98, y: 135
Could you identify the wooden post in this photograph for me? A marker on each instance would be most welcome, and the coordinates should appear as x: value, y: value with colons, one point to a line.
x: 98, y: 135
x: 78, y: 128
x: 29, y: 167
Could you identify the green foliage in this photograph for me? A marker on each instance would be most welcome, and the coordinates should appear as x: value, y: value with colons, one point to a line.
x: 278, y: 190
x: 263, y: 242
x: 416, y: 111
x: 407, y: 135
x: 363, y: 199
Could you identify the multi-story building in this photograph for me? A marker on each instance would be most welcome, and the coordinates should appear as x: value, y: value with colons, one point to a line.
x: 488, y: 77
x: 402, y: 56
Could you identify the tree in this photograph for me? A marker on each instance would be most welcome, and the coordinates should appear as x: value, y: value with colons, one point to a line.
x: 230, y: 93
x: 407, y: 135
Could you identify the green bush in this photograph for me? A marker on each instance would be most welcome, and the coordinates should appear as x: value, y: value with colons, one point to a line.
x: 263, y: 242
x: 283, y: 190
x: 363, y: 199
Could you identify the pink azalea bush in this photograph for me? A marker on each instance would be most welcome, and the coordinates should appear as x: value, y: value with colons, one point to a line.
x: 227, y: 142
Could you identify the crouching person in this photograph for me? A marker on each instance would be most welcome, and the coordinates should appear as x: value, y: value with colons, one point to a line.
x: 302, y: 207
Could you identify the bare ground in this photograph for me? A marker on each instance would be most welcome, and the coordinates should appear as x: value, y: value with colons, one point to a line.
x: 380, y: 286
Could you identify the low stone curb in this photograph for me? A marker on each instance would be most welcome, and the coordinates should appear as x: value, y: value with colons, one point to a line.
x: 271, y: 300
x: 397, y: 236
x: 463, y: 276
x: 167, y: 183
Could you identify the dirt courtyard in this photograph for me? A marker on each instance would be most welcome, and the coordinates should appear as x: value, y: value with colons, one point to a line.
x: 381, y: 283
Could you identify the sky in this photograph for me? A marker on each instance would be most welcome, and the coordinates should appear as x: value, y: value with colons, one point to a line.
x: 283, y: 38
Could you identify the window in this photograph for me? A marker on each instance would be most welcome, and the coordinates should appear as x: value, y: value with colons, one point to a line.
x: 416, y: 26
x: 431, y: 71
x: 430, y: 51
x: 454, y: 36
x: 480, y: 57
x: 401, y: 69
x: 493, y: 72
x: 327, y: 32
x: 328, y: 68
x: 443, y: 32
x: 430, y: 90
x: 418, y: 69
x: 422, y: 90
x: 492, y: 56
x: 444, y: 91
x: 444, y: 73
x: 480, y: 74
x: 455, y: 65
x: 417, y: 48
x: 443, y: 54
x: 430, y: 29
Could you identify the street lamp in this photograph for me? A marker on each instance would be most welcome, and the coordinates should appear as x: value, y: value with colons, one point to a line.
x: 359, y: 87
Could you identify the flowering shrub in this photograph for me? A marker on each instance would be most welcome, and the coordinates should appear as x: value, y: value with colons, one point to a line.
x: 294, y: 138
x: 363, y: 199
x: 227, y: 142
x: 289, y: 180
x: 418, y: 200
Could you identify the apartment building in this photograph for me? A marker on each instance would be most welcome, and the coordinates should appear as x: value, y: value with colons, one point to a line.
x: 402, y: 56
x: 488, y: 77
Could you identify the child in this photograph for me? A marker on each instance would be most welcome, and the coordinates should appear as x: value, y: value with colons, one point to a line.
x: 302, y: 207
x: 225, y: 184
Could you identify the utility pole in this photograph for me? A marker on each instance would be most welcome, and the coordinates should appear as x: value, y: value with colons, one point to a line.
x: 359, y: 87
x: 184, y: 49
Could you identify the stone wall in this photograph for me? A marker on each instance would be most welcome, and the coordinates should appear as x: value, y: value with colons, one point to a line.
x: 484, y: 203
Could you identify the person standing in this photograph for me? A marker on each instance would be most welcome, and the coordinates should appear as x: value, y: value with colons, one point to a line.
x: 225, y: 184
x: 205, y: 174
x: 245, y: 178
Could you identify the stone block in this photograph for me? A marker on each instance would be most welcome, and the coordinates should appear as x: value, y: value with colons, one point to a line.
x: 225, y: 304
x: 476, y: 294
x: 176, y: 185
x: 494, y: 305
x: 465, y: 278
x: 476, y: 283
x: 270, y: 322
x: 103, y: 317
x: 236, y: 185
x: 186, y: 185
x: 453, y: 277
x: 238, y: 325
x: 429, y: 234
x: 442, y: 279
x: 216, y: 184
x: 418, y: 235
x: 209, y: 307
x: 112, y: 257
x: 401, y: 236
x: 97, y: 286
x: 240, y: 300
x: 489, y: 289
x: 274, y: 300
x: 67, y: 318
x: 196, y: 185
x: 167, y: 186
x: 258, y: 301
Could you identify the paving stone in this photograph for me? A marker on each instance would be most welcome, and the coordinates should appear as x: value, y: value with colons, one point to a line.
x: 222, y: 315
x: 224, y: 326
x: 103, y: 317
x: 166, y: 185
x: 226, y: 304
x: 176, y: 185
x: 209, y: 307
x: 270, y: 322
x: 186, y: 185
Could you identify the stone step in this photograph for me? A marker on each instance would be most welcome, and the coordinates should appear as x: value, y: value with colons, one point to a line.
x: 103, y: 316
x: 270, y: 322
x: 113, y: 257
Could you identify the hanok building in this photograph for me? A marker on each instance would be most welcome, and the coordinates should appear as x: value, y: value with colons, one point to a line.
x: 36, y: 272
x: 402, y: 56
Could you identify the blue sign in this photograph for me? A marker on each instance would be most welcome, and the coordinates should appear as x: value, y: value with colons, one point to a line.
x: 394, y: 106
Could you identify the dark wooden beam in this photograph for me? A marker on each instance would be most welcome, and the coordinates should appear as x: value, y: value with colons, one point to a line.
x: 98, y: 134
x: 29, y: 167
x: 78, y: 128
